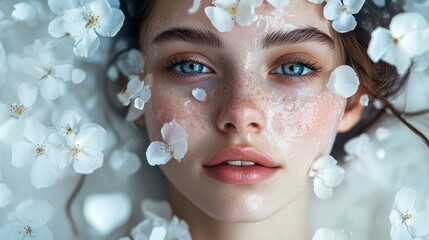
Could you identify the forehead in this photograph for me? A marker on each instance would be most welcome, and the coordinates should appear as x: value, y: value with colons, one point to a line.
x: 168, y: 14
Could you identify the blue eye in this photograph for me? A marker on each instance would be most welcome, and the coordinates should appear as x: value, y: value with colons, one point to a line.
x: 292, y: 69
x: 189, y: 67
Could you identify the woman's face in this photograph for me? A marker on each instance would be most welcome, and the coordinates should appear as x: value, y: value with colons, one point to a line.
x: 267, y: 101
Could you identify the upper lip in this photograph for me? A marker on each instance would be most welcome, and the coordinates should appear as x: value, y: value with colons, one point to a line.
x: 237, y: 153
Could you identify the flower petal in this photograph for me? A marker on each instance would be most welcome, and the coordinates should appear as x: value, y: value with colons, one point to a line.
x: 355, y: 5
x: 344, y: 81
x: 420, y: 226
x: 279, y: 3
x: 155, y: 154
x: 397, y: 56
x: 43, y: 174
x: 173, y: 132
x: 49, y: 89
x: 345, y: 23
x: 87, y: 164
x: 27, y: 93
x: 321, y: 190
x: 400, y: 232
x: 332, y: 10
x: 324, y: 234
x: 23, y: 154
x: 220, y: 18
x: 110, y: 26
x: 43, y: 233
x: 404, y: 199
x: 35, y: 132
x: 381, y: 40
x: 124, y: 162
x: 405, y: 22
x: 195, y: 7
x: 56, y: 27
x: 199, y: 94
x: 87, y: 45
x: 78, y: 75
x: 34, y: 213
x: 23, y: 12
x: 245, y: 13
x: 12, y: 230
x: 92, y: 137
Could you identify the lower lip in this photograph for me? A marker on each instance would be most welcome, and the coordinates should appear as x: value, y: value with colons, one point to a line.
x: 240, y: 175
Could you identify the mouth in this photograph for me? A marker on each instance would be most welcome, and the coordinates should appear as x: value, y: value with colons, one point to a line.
x: 241, y: 165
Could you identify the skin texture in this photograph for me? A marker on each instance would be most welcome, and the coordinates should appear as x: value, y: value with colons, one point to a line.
x: 292, y: 120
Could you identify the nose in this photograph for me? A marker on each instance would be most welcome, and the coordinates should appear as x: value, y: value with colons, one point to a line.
x: 241, y: 113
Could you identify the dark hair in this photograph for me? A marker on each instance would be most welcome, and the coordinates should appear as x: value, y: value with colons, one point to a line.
x: 380, y: 80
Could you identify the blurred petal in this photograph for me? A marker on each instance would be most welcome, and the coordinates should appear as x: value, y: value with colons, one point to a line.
x: 56, y: 27
x: 23, y: 154
x: 87, y: 45
x: 5, y: 195
x: 324, y: 234
x: 43, y: 174
x: 420, y: 226
x: 78, y: 75
x: 404, y: 199
x: 321, y: 190
x: 380, y: 42
x: 405, y: 22
x: 43, y: 233
x: 344, y: 81
x: 195, y: 7
x: 49, y: 89
x: 34, y: 213
x: 27, y: 93
x: 35, y: 132
x: 396, y: 56
x: 23, y: 12
x: 12, y: 231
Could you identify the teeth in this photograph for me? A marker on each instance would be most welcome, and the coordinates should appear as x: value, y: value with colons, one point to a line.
x: 240, y: 163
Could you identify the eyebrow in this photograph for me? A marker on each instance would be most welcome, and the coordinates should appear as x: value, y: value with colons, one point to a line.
x: 276, y: 38
x: 300, y: 35
x: 195, y: 36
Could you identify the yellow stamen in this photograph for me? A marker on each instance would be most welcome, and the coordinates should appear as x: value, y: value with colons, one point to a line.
x: 234, y: 9
x: 17, y: 111
x: 93, y: 21
x: 40, y: 149
x: 168, y: 149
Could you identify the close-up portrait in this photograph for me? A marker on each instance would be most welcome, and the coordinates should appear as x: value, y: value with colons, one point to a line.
x: 214, y: 119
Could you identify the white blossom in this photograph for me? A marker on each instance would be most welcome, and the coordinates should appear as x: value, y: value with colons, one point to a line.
x: 66, y: 121
x: 5, y: 195
x: 56, y: 25
x: 406, y: 222
x: 85, y: 23
x: 124, y: 162
x: 226, y: 12
x: 27, y: 94
x: 327, y: 175
x: 139, y: 97
x: 23, y: 12
x: 344, y: 81
x: 364, y: 100
x: 405, y: 40
x: 341, y: 13
x: 131, y: 62
x: 85, y: 148
x: 175, y: 145
x: 32, y: 216
x: 106, y: 212
x: 37, y: 149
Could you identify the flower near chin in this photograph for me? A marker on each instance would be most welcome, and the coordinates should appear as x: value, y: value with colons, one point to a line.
x: 32, y: 216
x: 340, y: 12
x: 406, y: 38
x: 328, y: 234
x: 85, y: 23
x: 327, y: 175
x: 344, y: 81
x: 407, y: 223
x: 226, y: 12
x: 175, y: 145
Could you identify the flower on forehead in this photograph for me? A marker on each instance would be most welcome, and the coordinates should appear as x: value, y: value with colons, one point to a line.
x: 175, y: 145
x: 344, y: 81
x: 32, y: 216
x: 27, y: 94
x: 328, y: 234
x: 326, y: 175
x: 85, y: 23
x: 39, y: 149
x: 406, y: 222
x: 407, y: 38
x: 226, y: 12
x: 340, y: 12
x: 85, y: 148
x: 23, y: 12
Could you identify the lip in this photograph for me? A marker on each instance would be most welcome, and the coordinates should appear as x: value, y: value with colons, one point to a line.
x: 263, y: 169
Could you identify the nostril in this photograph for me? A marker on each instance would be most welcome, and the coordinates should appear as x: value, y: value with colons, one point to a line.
x: 229, y: 126
x: 254, y: 125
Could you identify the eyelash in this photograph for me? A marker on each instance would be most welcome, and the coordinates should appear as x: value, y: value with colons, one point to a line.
x: 301, y: 60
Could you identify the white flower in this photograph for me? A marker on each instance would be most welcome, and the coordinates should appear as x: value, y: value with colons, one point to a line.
x: 23, y: 12
x: 406, y: 222
x: 341, y: 13
x: 56, y: 25
x: 364, y: 100
x: 106, y: 212
x: 199, y: 94
x: 66, y: 121
x: 279, y: 3
x: 328, y: 234
x: 85, y: 23
x: 131, y: 62
x: 27, y: 94
x: 133, y: 90
x: 85, y: 148
x: 5, y: 195
x: 343, y: 81
x: 326, y: 175
x: 140, y: 98
x: 32, y: 216
x: 227, y: 12
x: 38, y: 150
x: 194, y: 7
x: 176, y: 145
x: 405, y: 39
